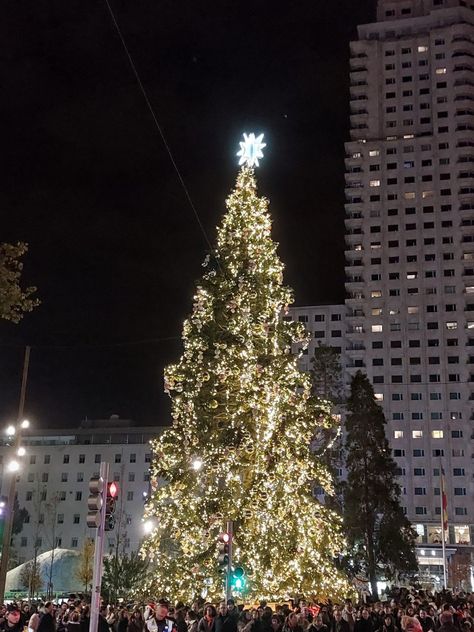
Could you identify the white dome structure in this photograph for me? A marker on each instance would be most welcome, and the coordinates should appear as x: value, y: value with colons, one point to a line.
x: 64, y: 572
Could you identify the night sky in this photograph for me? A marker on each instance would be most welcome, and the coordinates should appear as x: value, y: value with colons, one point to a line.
x: 115, y: 249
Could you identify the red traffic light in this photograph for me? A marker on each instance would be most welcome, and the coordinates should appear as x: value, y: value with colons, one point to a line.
x: 113, y: 489
x: 224, y: 537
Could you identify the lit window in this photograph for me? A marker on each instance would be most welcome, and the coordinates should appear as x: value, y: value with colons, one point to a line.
x: 398, y: 434
x: 422, y: 49
x: 461, y: 534
x: 412, y: 275
x: 441, y: 71
x: 470, y: 289
x: 357, y: 154
x: 427, y: 194
x: 437, y: 434
x: 413, y: 310
x: 374, y: 152
x: 451, y: 325
x: 378, y: 397
x: 470, y: 324
x: 417, y: 434
x: 410, y: 195
x: 374, y: 183
x: 376, y: 294
x: 377, y: 329
x: 376, y: 311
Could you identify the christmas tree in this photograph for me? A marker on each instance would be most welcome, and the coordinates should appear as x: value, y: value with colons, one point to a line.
x: 243, y: 421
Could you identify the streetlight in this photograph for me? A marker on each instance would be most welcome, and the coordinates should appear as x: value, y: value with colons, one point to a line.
x: 13, y: 466
x: 21, y: 451
x: 22, y: 424
x: 10, y: 430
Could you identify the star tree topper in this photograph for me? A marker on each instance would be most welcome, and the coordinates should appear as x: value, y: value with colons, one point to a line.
x: 251, y: 150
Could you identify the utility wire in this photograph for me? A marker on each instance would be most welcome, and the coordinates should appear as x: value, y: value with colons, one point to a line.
x: 80, y: 346
x: 157, y: 125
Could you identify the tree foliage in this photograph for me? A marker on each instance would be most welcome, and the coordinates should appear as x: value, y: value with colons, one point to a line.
x: 20, y: 514
x: 124, y: 576
x: 85, y: 568
x: 244, y: 418
x: 381, y: 538
x: 30, y: 578
x: 14, y: 300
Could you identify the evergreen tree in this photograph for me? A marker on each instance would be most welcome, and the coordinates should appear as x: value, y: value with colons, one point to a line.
x: 380, y: 537
x: 326, y: 373
x: 244, y: 417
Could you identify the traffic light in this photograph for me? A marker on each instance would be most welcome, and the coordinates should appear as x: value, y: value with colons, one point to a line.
x: 95, y: 501
x: 223, y: 548
x: 237, y: 580
x: 110, y: 503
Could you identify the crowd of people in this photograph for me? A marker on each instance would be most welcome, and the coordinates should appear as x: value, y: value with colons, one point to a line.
x: 401, y: 610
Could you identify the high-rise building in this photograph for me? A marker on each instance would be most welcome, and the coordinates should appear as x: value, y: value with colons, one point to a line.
x: 410, y: 248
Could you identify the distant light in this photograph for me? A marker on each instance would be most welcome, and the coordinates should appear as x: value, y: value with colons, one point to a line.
x: 13, y: 466
x: 145, y: 494
x: 21, y: 451
x: 148, y: 526
x: 197, y: 464
x: 10, y: 430
x: 2, y: 504
x: 25, y: 424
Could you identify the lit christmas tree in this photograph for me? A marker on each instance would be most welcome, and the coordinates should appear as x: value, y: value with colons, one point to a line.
x: 243, y: 421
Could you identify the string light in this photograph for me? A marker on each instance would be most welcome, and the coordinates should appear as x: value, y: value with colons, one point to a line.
x: 240, y: 402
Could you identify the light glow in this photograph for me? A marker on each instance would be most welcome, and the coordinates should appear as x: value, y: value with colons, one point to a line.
x: 10, y: 430
x: 251, y: 150
x: 25, y: 424
x: 21, y: 451
x: 13, y: 466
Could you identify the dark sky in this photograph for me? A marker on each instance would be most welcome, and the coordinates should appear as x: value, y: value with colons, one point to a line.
x: 115, y: 249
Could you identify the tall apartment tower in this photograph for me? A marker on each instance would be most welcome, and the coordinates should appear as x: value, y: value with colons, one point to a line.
x: 410, y: 248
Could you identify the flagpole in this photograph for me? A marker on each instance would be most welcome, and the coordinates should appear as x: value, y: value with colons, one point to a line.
x: 444, y: 517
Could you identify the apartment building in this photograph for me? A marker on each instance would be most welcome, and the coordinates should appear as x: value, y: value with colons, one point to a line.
x: 409, y: 319
x: 53, y: 483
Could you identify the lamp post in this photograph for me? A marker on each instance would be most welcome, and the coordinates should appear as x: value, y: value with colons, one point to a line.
x: 12, y: 467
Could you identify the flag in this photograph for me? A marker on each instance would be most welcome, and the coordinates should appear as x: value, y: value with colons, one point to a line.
x: 444, y: 502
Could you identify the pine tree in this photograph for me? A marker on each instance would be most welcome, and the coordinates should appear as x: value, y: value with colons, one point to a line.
x: 380, y: 537
x: 243, y: 420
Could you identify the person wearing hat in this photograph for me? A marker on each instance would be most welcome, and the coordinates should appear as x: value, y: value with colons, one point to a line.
x: 12, y: 622
x: 160, y: 621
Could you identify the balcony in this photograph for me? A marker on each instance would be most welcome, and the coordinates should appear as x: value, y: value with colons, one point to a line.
x: 356, y: 347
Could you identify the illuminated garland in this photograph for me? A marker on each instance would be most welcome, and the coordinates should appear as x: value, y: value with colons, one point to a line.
x: 243, y: 421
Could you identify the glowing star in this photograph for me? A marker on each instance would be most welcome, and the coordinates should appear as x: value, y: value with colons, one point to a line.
x: 251, y: 150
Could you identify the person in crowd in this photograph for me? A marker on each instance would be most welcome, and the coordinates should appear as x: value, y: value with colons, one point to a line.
x: 160, y: 620
x: 388, y: 624
x: 292, y: 624
x: 12, y: 620
x: 338, y: 624
x: 74, y: 622
x: 47, y: 621
x: 206, y: 623
x: 364, y: 622
x: 348, y: 614
x: 446, y: 620
x: 224, y: 622
x: 192, y: 621
x: 318, y: 624
x: 123, y: 620
x: 136, y: 622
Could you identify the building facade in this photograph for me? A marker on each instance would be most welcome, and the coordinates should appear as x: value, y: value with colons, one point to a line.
x: 53, y: 484
x: 409, y: 318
